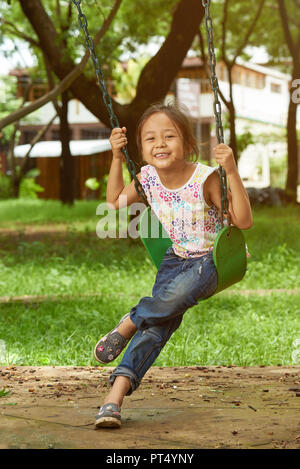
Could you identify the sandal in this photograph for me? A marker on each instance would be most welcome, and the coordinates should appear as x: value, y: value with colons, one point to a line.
x: 111, y: 345
x: 109, y: 416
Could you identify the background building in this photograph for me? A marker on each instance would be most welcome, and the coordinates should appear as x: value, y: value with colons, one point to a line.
x: 261, y: 98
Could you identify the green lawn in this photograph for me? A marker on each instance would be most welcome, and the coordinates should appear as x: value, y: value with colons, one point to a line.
x: 73, y: 261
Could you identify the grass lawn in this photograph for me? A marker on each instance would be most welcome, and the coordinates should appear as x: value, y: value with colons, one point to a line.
x: 47, y: 249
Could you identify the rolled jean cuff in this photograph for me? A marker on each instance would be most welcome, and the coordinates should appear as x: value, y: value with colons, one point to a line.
x: 134, y: 318
x: 124, y: 371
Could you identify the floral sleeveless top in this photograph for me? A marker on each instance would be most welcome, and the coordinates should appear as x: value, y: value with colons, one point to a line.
x: 190, y: 223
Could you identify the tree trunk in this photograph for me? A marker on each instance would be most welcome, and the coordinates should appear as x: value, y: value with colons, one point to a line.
x: 155, y: 79
x: 292, y: 174
x: 294, y: 48
x: 15, y: 186
x: 67, y: 160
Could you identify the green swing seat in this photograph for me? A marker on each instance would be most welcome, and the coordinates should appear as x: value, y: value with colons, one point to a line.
x: 229, y: 252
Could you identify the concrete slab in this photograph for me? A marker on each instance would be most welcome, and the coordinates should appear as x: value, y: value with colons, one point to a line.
x: 179, y: 408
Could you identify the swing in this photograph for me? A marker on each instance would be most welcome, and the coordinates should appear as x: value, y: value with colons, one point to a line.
x: 229, y: 251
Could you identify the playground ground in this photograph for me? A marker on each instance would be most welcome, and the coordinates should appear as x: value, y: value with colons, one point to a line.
x: 197, y: 407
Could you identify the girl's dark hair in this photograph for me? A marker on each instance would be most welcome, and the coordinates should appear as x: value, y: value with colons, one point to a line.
x: 177, y: 115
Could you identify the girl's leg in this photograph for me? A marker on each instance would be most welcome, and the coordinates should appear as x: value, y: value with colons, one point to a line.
x: 159, y: 316
x: 176, y: 289
x: 119, y: 389
x: 196, y: 280
x: 141, y: 353
x: 110, y: 413
x: 108, y: 348
x: 179, y: 285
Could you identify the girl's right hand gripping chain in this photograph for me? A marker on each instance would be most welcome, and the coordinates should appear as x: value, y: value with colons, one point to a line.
x: 118, y: 140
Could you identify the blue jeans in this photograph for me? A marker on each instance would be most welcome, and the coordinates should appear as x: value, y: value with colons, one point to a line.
x: 179, y: 284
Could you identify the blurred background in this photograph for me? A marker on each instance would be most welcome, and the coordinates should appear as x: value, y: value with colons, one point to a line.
x: 55, y: 157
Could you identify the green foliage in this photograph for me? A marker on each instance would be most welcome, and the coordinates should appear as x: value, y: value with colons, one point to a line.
x: 5, y: 187
x: 240, y: 16
x: 92, y: 184
x: 4, y: 393
x: 103, y: 187
x: 126, y: 81
x: 243, y: 140
x: 28, y: 187
x: 8, y: 103
x: 278, y: 171
x: 135, y: 23
x: 126, y: 178
x: 274, y: 38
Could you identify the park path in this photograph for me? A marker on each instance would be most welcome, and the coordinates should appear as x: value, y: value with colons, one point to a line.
x: 180, y: 408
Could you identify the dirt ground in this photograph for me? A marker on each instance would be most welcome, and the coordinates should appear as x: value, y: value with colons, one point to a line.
x: 180, y: 408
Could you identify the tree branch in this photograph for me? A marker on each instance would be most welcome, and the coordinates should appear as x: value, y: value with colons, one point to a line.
x: 67, y: 80
x: 51, y: 84
x: 250, y: 31
x: 156, y: 77
x: 18, y: 33
x: 290, y: 19
x: 223, y: 43
x: 286, y: 29
x: 203, y: 54
x: 36, y: 139
x: 227, y: 103
x: 162, y: 68
x: 12, y: 141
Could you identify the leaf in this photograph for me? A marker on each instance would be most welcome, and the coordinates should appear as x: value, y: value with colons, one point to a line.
x: 92, y: 184
x: 4, y: 393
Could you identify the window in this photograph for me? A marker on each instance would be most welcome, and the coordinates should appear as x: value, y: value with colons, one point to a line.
x: 237, y: 77
x: 260, y: 82
x: 205, y: 86
x: 275, y: 88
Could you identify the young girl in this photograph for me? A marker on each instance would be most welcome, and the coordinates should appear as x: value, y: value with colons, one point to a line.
x: 187, y: 273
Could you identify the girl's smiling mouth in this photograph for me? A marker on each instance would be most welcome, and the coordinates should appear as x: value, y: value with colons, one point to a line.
x: 161, y: 155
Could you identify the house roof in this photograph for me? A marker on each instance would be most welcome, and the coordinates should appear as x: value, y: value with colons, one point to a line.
x: 52, y: 149
x: 194, y: 62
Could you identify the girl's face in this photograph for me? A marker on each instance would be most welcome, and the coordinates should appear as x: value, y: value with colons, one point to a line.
x: 162, y: 142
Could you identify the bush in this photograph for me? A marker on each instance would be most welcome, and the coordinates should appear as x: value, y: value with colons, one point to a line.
x: 28, y: 187
x: 126, y: 177
x: 278, y: 171
x: 5, y: 187
x: 271, y: 196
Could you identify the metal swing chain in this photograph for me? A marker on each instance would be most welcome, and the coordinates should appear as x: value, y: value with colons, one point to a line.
x: 114, y: 122
x: 217, y: 106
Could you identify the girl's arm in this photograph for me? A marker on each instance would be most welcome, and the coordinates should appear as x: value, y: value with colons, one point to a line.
x: 115, y: 184
x: 238, y: 199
